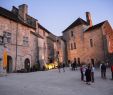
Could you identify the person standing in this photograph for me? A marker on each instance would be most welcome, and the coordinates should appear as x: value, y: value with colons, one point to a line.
x: 59, y: 66
x: 112, y: 71
x: 63, y: 66
x: 82, y: 75
x: 84, y: 70
x: 92, y: 72
x: 88, y: 75
x: 103, y: 71
x: 74, y: 64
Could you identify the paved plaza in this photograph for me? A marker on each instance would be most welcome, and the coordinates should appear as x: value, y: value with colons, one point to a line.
x: 54, y: 83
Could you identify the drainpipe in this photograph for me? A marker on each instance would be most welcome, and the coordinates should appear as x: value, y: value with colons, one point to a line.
x: 16, y: 46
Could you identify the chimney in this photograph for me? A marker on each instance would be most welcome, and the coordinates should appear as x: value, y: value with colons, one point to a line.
x: 88, y: 18
x: 23, y: 10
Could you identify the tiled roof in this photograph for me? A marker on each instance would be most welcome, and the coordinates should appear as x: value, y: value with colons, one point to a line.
x: 95, y: 26
x: 77, y: 22
x: 10, y: 15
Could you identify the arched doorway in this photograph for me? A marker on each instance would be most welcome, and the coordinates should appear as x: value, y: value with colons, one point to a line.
x: 9, y: 64
x: 27, y: 64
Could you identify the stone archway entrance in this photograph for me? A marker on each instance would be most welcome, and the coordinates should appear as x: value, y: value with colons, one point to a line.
x: 9, y: 64
x: 27, y: 64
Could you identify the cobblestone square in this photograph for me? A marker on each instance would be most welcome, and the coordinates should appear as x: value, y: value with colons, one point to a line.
x: 54, y: 83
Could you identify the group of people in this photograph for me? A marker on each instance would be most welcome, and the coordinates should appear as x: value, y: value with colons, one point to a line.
x: 87, y: 73
x: 103, y: 70
x: 61, y: 66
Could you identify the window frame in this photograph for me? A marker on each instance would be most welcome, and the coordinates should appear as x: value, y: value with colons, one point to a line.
x: 7, y: 36
x: 72, y: 33
x: 91, y: 42
x: 25, y: 41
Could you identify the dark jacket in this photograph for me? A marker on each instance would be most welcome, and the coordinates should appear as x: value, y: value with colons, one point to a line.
x: 103, y: 68
x: 88, y: 75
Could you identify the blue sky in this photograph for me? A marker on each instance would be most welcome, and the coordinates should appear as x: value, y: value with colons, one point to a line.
x: 56, y: 15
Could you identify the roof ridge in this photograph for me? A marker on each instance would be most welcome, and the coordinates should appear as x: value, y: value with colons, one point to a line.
x: 77, y: 22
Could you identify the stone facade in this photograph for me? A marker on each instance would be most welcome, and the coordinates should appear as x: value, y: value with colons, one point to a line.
x: 21, y: 50
x: 61, y: 49
x: 87, y: 43
x: 26, y: 42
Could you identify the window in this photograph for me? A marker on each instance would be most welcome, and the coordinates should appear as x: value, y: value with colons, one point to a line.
x: 71, y: 33
x: 25, y: 41
x: 74, y: 45
x: 91, y: 42
x: 71, y: 46
x: 8, y: 36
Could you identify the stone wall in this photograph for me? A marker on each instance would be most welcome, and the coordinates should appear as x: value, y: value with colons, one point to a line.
x: 23, y: 51
x: 83, y: 52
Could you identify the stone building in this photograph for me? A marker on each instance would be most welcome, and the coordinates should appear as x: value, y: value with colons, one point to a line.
x: 24, y: 37
x: 25, y: 42
x: 61, y: 48
x: 87, y: 43
x: 46, y: 45
x: 18, y: 26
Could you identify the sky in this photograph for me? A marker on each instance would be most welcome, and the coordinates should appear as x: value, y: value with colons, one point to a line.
x: 57, y: 15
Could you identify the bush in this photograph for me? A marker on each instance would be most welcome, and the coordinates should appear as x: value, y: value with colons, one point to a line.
x: 35, y: 67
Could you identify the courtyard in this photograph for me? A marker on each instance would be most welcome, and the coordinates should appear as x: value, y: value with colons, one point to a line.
x: 54, y: 83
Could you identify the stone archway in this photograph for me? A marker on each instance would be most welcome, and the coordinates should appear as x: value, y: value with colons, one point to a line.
x: 9, y: 64
x: 27, y: 64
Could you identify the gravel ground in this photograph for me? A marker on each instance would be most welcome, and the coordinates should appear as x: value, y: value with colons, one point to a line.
x: 54, y: 83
